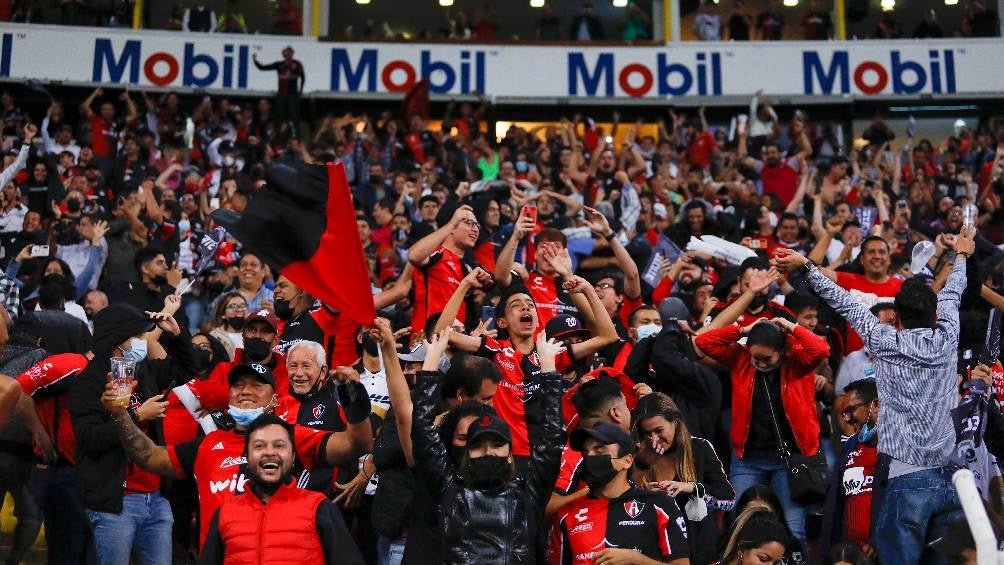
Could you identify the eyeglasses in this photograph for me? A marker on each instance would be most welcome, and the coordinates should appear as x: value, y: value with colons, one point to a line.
x: 470, y: 223
x: 235, y: 307
x: 603, y: 286
x: 187, y: 198
x: 848, y: 412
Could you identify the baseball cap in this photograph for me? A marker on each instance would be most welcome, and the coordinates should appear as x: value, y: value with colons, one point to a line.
x: 603, y: 432
x: 263, y: 315
x: 488, y: 424
x: 416, y: 355
x: 660, y: 211
x: 563, y: 325
x: 673, y: 308
x: 260, y: 372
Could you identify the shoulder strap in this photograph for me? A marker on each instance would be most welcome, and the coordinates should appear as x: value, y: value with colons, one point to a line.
x: 781, y: 445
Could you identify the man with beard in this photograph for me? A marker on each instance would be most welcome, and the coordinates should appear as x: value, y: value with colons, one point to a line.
x: 279, y: 522
x: 778, y: 175
x: 684, y: 277
x: 618, y: 522
x: 216, y: 460
x: 759, y: 306
x: 151, y: 290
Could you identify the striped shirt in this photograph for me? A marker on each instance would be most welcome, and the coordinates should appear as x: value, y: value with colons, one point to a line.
x: 915, y: 371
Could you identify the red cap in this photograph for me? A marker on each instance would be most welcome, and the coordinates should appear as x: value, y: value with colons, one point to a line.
x: 263, y: 315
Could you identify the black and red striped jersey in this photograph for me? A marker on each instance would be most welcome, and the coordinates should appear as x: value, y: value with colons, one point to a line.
x: 644, y: 521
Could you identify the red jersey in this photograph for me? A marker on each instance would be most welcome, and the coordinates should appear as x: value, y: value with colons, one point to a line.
x: 781, y: 180
x: 627, y: 308
x: 550, y: 298
x: 219, y: 466
x: 699, y: 151
x: 104, y: 136
x: 214, y: 392
x: 570, y: 473
x: 435, y: 283
x: 858, y: 480
x: 867, y: 293
x: 339, y: 337
x: 51, y: 408
x: 518, y: 400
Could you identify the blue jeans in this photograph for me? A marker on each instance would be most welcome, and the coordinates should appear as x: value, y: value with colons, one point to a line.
x: 765, y: 467
x: 390, y: 551
x: 142, y: 529
x: 917, y: 509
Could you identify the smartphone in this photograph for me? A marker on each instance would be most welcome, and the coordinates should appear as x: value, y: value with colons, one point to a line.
x: 758, y: 243
x: 530, y: 211
x: 901, y: 205
x: 488, y: 315
x: 39, y: 250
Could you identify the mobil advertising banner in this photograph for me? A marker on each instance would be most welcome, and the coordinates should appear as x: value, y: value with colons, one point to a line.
x: 224, y: 62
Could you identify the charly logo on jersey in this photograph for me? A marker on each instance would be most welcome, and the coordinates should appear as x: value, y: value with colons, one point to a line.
x: 633, y: 508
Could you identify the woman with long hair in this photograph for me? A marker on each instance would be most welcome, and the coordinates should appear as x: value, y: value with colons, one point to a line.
x: 228, y: 321
x: 756, y: 538
x: 684, y: 466
x: 762, y: 496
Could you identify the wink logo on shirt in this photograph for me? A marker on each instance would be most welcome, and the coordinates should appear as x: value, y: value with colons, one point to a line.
x: 234, y: 484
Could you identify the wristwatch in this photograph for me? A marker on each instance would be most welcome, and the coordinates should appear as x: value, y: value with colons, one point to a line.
x: 610, y: 237
x: 809, y: 266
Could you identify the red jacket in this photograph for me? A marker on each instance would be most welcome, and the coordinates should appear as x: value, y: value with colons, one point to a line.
x: 282, y: 531
x: 798, y: 387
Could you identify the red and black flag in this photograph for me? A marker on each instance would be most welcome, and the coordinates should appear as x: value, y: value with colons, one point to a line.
x: 303, y: 225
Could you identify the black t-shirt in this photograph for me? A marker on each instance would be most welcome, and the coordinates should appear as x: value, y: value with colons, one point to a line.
x: 762, y: 434
x: 739, y: 28
x: 302, y: 327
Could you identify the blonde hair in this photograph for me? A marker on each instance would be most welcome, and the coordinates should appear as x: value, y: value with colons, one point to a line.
x: 763, y: 528
x: 659, y: 404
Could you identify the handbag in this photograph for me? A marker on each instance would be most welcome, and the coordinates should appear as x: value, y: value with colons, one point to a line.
x: 808, y: 476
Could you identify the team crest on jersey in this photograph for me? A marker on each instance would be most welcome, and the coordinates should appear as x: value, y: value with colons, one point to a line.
x: 633, y: 508
x: 318, y: 411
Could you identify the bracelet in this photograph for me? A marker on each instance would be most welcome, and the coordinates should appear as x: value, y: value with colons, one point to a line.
x: 362, y: 466
x: 610, y: 237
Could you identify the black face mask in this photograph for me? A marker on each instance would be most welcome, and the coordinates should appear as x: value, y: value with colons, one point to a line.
x: 283, y: 310
x: 598, y: 471
x: 159, y: 279
x: 488, y: 471
x: 256, y: 350
x: 457, y: 453
x: 376, y: 180
x: 202, y: 360
x: 73, y: 205
x: 370, y: 346
x: 214, y: 287
x: 236, y: 322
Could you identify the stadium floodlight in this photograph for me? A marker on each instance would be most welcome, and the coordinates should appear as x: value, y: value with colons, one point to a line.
x: 620, y: 3
x: 446, y: 3
x: 791, y: 3
x: 536, y: 3
x: 951, y: 2
x: 364, y: 2
x: 887, y: 5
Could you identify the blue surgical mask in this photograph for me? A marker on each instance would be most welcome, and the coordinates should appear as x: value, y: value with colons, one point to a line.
x: 521, y: 166
x: 867, y: 432
x: 244, y: 416
x: 184, y: 226
x: 648, y: 330
x: 137, y: 350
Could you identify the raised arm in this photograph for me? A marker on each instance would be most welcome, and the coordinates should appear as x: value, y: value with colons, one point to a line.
x: 600, y: 226
x: 397, y: 388
x: 759, y: 283
x: 951, y: 295
x: 431, y: 458
x: 604, y: 331
x: 503, y: 265
x: 424, y: 247
x: 86, y: 107
x: 545, y: 457
x: 11, y: 171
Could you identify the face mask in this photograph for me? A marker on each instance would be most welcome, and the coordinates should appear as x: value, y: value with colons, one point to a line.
x: 184, y: 226
x: 457, y: 453
x: 521, y: 166
x: 400, y: 235
x: 598, y: 471
x: 244, y: 416
x: 487, y: 471
x: 370, y: 346
x: 136, y: 351
x: 236, y: 322
x: 648, y: 330
x: 215, y: 287
x: 376, y: 179
x: 73, y: 205
x: 256, y: 350
x: 283, y: 310
x: 228, y: 161
x: 203, y: 360
x: 867, y: 432
x: 769, y: 368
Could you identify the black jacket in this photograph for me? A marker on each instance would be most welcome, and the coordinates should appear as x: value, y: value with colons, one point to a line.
x: 101, y: 461
x: 714, y: 488
x: 694, y: 387
x: 833, y: 509
x: 488, y: 526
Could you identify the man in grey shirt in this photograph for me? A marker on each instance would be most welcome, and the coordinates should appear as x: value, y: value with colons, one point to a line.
x: 915, y: 370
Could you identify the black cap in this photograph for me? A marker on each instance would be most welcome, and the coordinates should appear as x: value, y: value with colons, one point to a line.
x: 603, y: 432
x: 488, y: 424
x: 117, y: 323
x: 673, y: 308
x: 562, y: 325
x: 260, y: 372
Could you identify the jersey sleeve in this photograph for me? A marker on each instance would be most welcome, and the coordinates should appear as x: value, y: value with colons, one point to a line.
x: 490, y: 347
x: 213, y: 392
x: 672, y: 529
x: 48, y: 372
x: 628, y: 307
x: 183, y: 456
x: 310, y: 446
x: 568, y: 473
x: 564, y: 360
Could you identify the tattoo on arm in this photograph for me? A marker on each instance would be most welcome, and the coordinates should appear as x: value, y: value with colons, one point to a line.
x: 142, y: 450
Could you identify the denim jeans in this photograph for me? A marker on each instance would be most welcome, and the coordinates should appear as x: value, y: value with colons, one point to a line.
x: 765, y: 467
x: 917, y: 509
x: 142, y: 529
x: 57, y: 491
x: 390, y: 551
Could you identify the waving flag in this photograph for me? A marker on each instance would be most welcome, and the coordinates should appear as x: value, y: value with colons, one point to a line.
x: 303, y: 225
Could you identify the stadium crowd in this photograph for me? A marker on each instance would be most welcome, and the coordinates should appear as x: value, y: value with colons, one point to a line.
x: 591, y: 346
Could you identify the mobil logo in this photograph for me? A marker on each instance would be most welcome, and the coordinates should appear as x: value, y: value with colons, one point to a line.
x: 895, y: 75
x: 6, y: 50
x: 463, y: 72
x: 226, y: 67
x: 699, y: 73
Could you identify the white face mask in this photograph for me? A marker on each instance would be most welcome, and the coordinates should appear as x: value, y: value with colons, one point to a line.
x: 648, y: 330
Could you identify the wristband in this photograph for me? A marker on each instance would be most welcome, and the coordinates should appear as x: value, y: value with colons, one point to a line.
x: 355, y: 401
x: 610, y: 237
x: 809, y: 266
